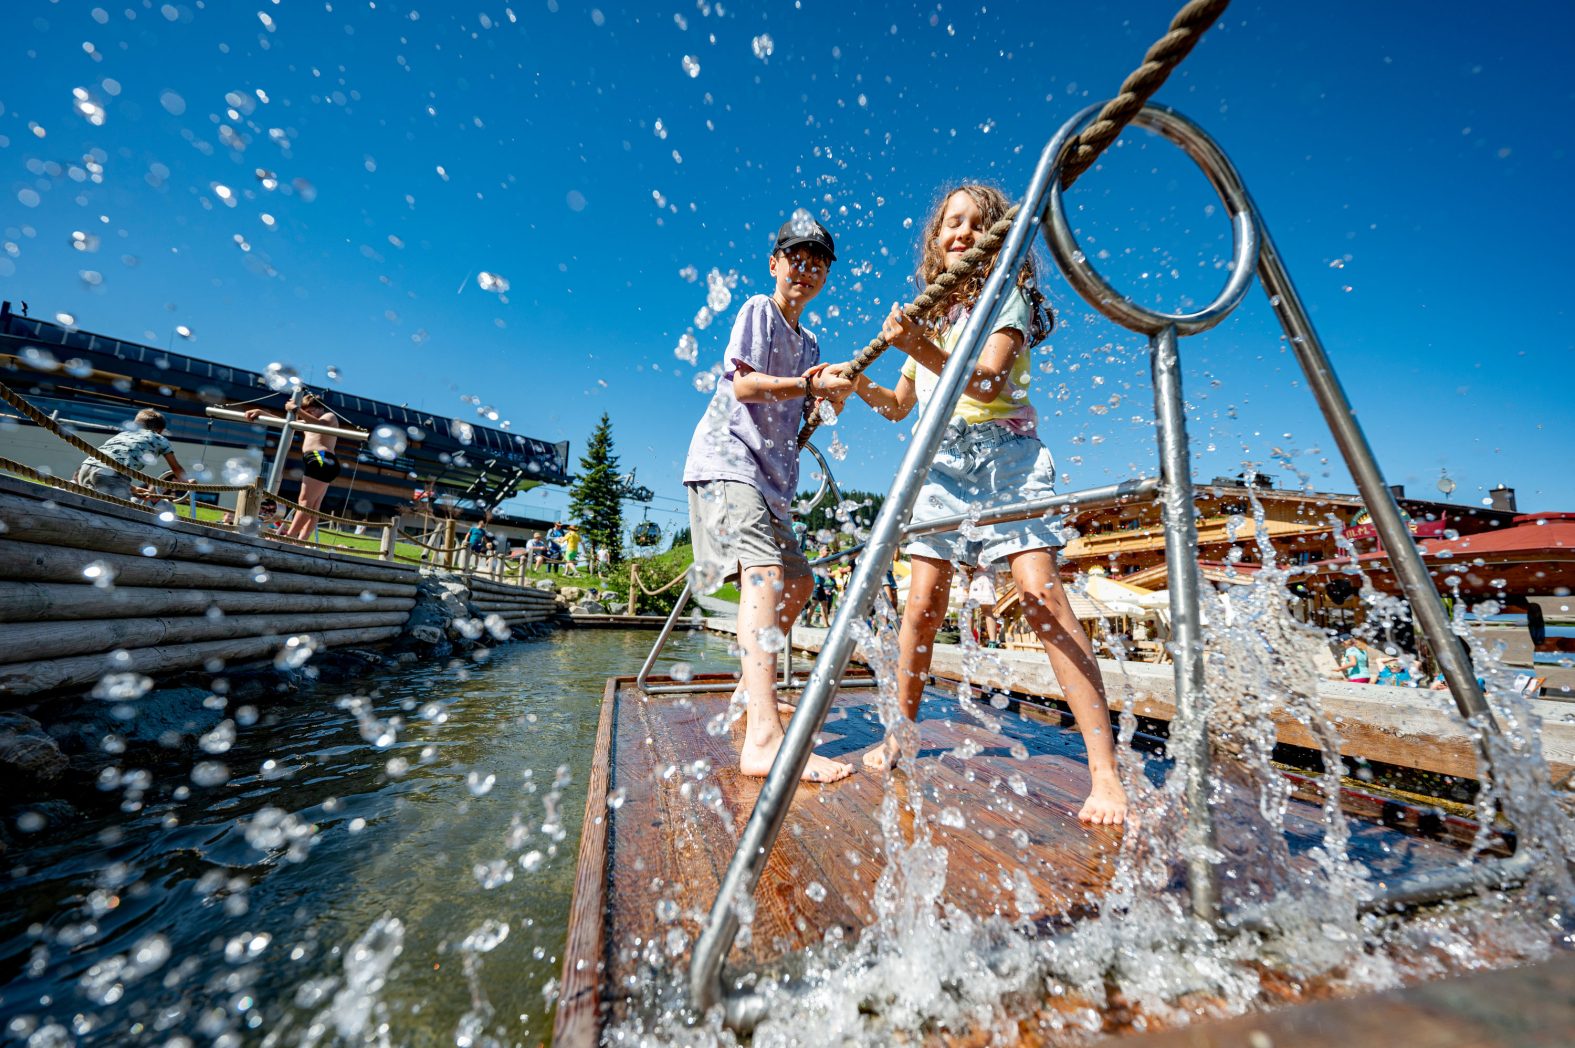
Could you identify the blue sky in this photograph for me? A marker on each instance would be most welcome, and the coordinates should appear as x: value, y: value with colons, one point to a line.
x: 1408, y: 159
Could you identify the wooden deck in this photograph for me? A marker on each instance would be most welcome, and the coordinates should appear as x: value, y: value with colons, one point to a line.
x: 651, y: 861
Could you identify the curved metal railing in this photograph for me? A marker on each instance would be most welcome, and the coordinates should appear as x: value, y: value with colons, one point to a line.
x: 1253, y: 252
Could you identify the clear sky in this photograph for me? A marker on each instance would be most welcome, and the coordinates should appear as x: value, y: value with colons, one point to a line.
x: 321, y: 185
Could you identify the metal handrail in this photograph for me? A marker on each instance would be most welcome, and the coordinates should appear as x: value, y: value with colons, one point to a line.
x: 1180, y: 529
x: 770, y: 811
x: 1254, y: 251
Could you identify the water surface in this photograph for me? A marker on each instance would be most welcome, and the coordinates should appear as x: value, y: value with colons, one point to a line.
x: 238, y: 907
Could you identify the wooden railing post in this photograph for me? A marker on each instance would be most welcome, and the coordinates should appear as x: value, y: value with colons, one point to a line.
x: 448, y: 543
x: 634, y: 588
x: 385, y: 545
x: 247, y: 504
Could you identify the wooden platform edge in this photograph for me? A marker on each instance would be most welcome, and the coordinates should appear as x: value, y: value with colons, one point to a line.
x: 578, y: 1022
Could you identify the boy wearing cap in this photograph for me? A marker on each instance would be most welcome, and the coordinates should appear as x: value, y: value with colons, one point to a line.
x: 742, y: 474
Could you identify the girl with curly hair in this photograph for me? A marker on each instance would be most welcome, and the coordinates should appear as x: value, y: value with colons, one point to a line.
x: 991, y: 457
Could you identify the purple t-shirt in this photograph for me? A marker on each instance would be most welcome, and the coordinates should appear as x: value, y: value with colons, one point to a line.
x: 756, y: 444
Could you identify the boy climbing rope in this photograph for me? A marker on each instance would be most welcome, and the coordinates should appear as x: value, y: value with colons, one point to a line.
x: 742, y: 473
x: 991, y: 457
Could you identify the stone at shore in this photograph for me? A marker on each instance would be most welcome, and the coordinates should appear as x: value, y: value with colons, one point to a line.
x: 590, y: 607
x: 28, y: 756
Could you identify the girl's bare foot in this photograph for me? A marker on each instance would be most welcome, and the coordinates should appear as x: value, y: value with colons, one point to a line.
x: 1107, y: 802
x: 883, y: 756
x: 756, y: 760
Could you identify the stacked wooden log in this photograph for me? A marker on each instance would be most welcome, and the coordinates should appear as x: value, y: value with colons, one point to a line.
x: 514, y: 604
x: 88, y: 588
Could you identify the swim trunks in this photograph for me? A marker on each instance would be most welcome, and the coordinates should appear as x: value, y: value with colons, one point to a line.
x: 320, y: 465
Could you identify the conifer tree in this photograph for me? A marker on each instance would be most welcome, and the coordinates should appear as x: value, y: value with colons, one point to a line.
x: 594, y: 501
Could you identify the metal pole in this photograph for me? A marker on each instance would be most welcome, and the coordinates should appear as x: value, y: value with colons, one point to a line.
x: 1181, y: 556
x: 770, y: 811
x: 286, y: 438
x: 1415, y: 582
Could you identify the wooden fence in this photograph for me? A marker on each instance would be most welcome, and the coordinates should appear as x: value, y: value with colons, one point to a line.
x: 89, y: 587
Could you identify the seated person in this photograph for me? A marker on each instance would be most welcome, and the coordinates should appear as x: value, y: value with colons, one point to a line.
x: 1394, y: 674
x: 535, y: 551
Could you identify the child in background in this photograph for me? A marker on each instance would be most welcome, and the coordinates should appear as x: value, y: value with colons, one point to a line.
x: 742, y: 473
x: 1354, y: 662
x: 991, y: 457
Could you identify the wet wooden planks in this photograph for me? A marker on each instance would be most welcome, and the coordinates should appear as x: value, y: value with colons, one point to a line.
x: 1530, y: 1007
x: 674, y: 804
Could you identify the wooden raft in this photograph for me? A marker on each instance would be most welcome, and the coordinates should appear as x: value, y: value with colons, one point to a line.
x: 651, y: 861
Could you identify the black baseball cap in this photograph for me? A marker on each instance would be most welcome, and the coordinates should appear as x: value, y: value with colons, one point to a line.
x: 793, y: 233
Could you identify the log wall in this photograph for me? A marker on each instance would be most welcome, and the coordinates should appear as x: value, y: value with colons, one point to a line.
x: 88, y: 588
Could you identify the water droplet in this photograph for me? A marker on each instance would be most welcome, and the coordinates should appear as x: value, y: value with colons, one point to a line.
x: 802, y: 223
x: 118, y: 687
x: 492, y: 282
x: 616, y: 797
x: 691, y: 66
x: 816, y: 891
x: 688, y: 348
x: 493, y: 874
x: 762, y: 45
x: 282, y: 378
x: 39, y: 358
x: 683, y: 671
x: 210, y: 773
x: 388, y: 442
x: 486, y: 938
x: 296, y: 652
x: 480, y: 784
x: 241, y: 471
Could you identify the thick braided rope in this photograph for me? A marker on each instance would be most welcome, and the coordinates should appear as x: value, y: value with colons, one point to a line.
x: 321, y: 515
x: 428, y: 546
x: 11, y: 397
x: 670, y: 583
x: 1186, y: 29
x: 39, y: 477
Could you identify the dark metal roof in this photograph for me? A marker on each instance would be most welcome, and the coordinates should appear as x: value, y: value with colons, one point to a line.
x: 101, y: 379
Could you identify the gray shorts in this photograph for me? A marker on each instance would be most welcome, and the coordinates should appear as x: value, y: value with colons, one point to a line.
x: 733, y: 530
x: 102, y: 479
x: 986, y: 466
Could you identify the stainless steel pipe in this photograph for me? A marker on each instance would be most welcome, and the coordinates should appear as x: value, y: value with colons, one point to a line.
x: 765, y: 821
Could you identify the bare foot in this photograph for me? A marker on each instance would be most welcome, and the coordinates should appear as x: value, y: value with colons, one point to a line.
x: 756, y: 760
x: 883, y: 756
x: 1107, y: 802
x: 786, y: 707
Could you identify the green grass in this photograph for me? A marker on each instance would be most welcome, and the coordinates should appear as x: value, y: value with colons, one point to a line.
x: 728, y: 592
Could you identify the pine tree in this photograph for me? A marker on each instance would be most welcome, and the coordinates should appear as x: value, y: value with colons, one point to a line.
x: 594, y: 500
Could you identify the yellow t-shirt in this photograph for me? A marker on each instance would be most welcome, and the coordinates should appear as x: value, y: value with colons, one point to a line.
x: 1012, y: 403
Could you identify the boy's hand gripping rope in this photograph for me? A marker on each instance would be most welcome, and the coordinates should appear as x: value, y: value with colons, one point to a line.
x: 1186, y: 29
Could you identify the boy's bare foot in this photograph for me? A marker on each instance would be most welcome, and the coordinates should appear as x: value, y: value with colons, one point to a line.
x: 756, y: 760
x: 1106, y: 804
x: 883, y: 756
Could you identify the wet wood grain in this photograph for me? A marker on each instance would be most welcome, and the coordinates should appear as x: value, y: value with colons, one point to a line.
x: 1017, y: 778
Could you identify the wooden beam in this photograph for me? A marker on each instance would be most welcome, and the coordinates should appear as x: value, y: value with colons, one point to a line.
x: 57, y: 524
x: 58, y: 601
x: 33, y: 678
x: 578, y: 1022
x: 36, y: 641
x: 39, y: 562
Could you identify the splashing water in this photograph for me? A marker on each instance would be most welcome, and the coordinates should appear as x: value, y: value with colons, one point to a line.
x: 388, y: 442
x: 925, y: 967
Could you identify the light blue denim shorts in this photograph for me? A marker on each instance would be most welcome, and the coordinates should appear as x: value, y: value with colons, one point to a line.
x: 979, y: 468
